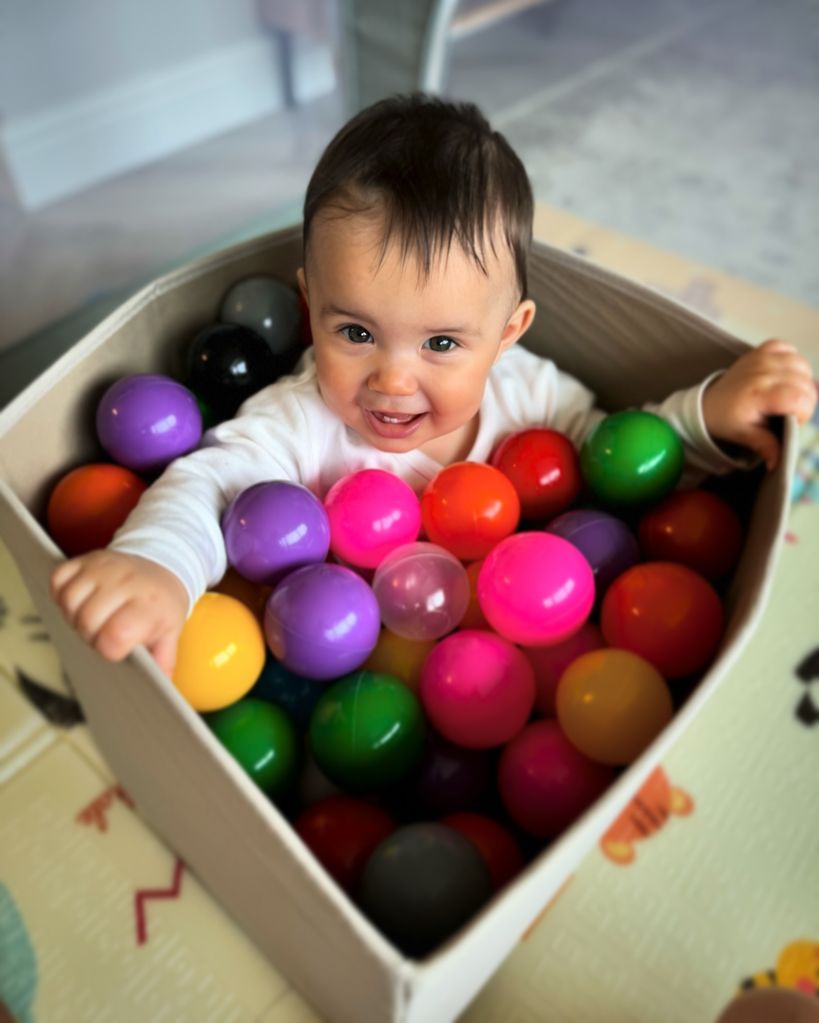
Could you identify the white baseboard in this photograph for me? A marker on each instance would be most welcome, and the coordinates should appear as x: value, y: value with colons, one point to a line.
x: 71, y: 146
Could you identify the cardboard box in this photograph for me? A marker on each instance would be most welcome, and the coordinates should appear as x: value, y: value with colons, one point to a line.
x: 626, y: 342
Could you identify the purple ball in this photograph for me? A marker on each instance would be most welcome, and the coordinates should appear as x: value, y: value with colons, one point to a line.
x: 607, y: 543
x: 322, y: 621
x: 272, y: 528
x: 450, y: 778
x: 146, y: 420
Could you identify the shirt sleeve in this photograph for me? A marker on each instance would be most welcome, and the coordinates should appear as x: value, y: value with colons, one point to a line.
x: 177, y: 521
x: 557, y: 400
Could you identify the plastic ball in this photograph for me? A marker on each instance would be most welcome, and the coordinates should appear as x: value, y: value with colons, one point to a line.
x: 295, y: 695
x: 611, y: 704
x: 269, y: 308
x: 422, y: 884
x: 367, y: 731
x: 398, y: 656
x: 695, y: 528
x: 607, y: 543
x: 272, y: 528
x: 631, y: 458
x: 422, y: 591
x: 549, y: 663
x: 321, y: 621
x: 497, y: 845
x: 545, y: 782
x: 228, y: 363
x: 262, y: 739
x: 220, y: 654
x: 447, y: 777
x: 544, y: 469
x: 473, y: 618
x: 371, y: 512
x: 146, y: 421
x: 667, y: 614
x: 468, y: 507
x: 536, y: 588
x: 252, y: 595
x: 89, y: 504
x: 342, y: 832
x: 477, y: 689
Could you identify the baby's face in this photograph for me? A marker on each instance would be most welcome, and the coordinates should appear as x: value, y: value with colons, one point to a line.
x: 401, y: 359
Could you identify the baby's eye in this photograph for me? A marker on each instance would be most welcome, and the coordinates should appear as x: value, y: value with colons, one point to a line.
x: 357, y: 334
x: 441, y: 344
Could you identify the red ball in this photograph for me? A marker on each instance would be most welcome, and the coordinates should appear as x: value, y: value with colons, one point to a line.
x: 497, y: 845
x: 545, y: 783
x: 342, y: 832
x: 695, y: 528
x: 89, y: 504
x: 667, y: 614
x: 468, y: 508
x: 544, y: 468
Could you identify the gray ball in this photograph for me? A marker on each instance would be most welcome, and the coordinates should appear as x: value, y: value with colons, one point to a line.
x: 269, y: 308
x: 421, y: 884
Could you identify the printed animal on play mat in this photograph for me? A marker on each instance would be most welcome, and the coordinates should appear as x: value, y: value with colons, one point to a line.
x: 647, y: 812
x: 18, y: 963
x: 797, y: 967
x: 807, y: 671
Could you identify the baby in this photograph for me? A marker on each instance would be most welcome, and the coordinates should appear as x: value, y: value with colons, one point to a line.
x: 417, y: 226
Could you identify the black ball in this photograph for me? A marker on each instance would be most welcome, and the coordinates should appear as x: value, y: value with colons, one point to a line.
x: 228, y: 363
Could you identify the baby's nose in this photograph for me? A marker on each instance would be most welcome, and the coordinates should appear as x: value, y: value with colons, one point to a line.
x: 392, y: 376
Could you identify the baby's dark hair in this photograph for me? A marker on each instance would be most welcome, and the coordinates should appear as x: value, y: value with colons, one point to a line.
x: 437, y: 171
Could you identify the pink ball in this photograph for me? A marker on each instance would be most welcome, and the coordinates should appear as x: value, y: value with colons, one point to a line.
x: 549, y: 663
x: 535, y: 588
x: 371, y: 512
x: 422, y: 591
x: 545, y: 783
x: 477, y: 689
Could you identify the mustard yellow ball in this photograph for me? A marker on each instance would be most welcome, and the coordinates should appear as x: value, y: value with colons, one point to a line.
x: 221, y: 653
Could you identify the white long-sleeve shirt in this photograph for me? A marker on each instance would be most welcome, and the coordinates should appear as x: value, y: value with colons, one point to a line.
x: 287, y: 432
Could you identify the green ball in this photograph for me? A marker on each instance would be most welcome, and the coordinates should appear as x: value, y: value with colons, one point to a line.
x: 631, y: 458
x: 262, y: 738
x: 367, y: 731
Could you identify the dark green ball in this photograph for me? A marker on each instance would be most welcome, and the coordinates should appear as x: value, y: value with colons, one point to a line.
x: 367, y: 731
x: 262, y: 738
x: 631, y: 458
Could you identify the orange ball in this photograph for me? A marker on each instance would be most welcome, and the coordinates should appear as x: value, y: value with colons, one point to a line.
x: 474, y: 618
x: 221, y: 653
x: 468, y: 507
x: 252, y: 595
x: 402, y: 658
x: 611, y: 704
x: 89, y: 504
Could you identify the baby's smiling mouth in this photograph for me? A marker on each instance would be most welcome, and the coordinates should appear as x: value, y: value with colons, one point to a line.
x: 395, y: 418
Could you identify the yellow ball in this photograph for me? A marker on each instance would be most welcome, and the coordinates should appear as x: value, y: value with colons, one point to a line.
x: 402, y: 658
x: 221, y: 653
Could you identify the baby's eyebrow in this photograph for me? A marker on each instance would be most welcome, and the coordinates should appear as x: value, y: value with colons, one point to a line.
x: 329, y: 309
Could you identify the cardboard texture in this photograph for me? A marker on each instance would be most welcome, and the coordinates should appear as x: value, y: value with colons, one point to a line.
x: 626, y: 342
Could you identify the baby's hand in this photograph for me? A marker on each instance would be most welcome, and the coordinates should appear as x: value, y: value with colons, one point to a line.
x: 117, y: 601
x: 772, y: 380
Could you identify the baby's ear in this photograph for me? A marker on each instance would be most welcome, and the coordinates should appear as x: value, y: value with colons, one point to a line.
x: 517, y: 324
x: 302, y: 281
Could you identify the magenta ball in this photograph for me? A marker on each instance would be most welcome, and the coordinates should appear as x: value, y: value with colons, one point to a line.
x: 322, y: 621
x: 477, y: 689
x: 535, y: 588
x: 549, y: 663
x: 606, y: 542
x: 545, y: 783
x: 146, y: 420
x: 371, y: 512
x: 422, y: 591
x: 272, y: 528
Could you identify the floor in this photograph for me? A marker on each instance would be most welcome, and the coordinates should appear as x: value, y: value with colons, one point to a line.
x: 689, y: 124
